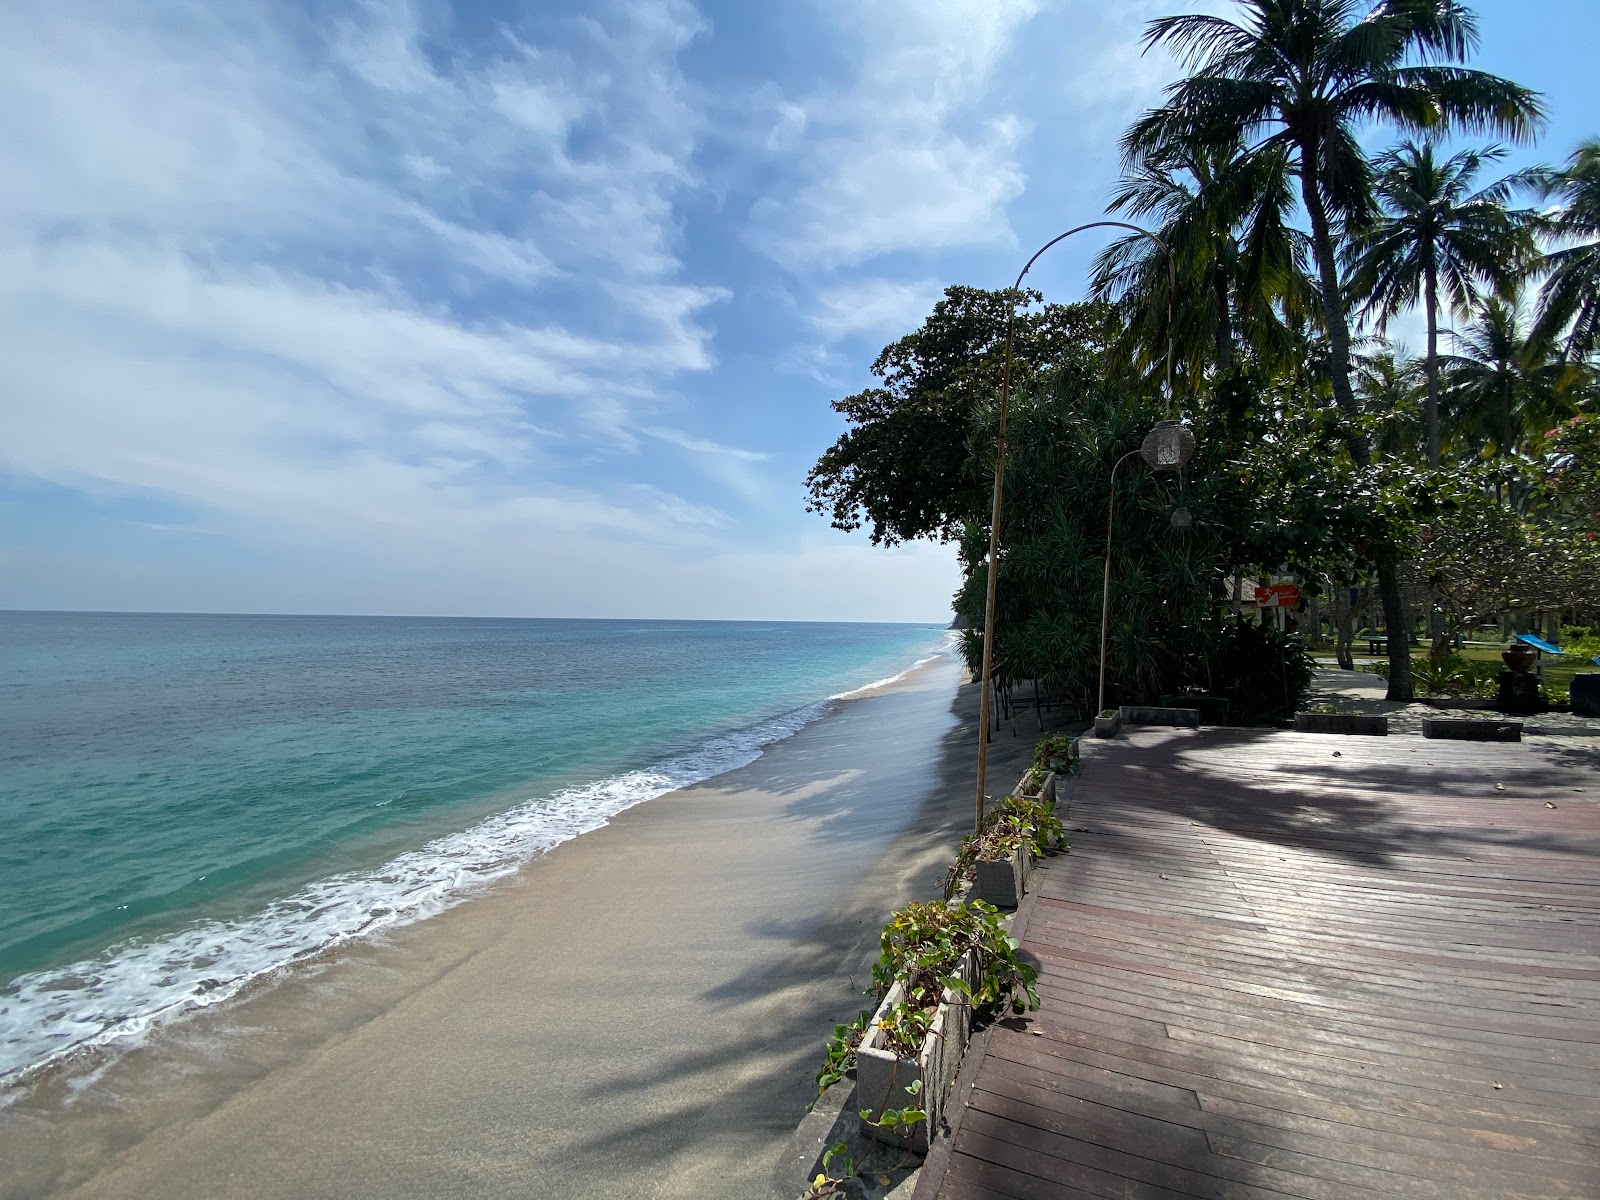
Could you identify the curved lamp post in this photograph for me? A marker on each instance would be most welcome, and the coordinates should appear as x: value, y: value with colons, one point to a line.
x: 999, y: 472
x: 1165, y: 448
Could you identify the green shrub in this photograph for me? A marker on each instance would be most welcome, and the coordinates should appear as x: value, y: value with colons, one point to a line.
x: 1454, y: 676
x: 1259, y: 671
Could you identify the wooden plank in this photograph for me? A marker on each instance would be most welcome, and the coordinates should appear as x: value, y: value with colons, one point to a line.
x: 1345, y: 957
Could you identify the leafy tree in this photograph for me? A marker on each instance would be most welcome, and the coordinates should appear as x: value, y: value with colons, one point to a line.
x: 917, y: 461
x: 1571, y: 305
x: 1574, y: 473
x: 1437, y: 235
x: 904, y: 467
x: 1474, y: 557
x: 1303, y: 75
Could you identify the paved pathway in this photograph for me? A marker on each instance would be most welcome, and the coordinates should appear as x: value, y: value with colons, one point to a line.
x: 1362, y: 692
x: 1282, y: 965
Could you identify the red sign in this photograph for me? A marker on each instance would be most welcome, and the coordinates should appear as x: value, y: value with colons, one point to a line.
x: 1279, y: 595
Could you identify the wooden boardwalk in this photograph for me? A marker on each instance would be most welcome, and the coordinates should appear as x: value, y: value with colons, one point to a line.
x: 1283, y: 965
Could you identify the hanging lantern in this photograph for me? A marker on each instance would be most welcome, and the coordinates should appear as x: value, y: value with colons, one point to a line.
x: 1168, y: 446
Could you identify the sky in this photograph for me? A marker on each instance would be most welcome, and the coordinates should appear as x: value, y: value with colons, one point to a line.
x: 371, y: 306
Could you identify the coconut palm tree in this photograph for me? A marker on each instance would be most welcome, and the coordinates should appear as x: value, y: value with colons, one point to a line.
x: 1303, y: 76
x: 1223, y: 218
x: 1571, y: 305
x: 1505, y: 385
x: 1437, y: 235
x: 1388, y: 385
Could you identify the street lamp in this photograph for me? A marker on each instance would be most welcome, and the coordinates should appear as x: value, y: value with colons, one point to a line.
x: 999, y: 472
x: 1165, y: 448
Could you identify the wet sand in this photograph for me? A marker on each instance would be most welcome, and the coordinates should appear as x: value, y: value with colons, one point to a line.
x: 637, y: 1014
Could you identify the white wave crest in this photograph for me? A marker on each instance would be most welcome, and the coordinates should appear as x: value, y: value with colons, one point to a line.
x: 853, y: 693
x: 134, y: 986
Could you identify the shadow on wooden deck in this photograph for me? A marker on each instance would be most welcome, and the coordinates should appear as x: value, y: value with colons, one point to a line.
x: 1271, y: 970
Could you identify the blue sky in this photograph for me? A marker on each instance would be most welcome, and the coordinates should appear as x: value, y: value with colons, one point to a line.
x: 526, y: 309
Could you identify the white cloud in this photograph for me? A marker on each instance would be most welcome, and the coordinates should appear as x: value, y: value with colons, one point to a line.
x: 242, y: 260
x: 873, y: 306
x: 706, y: 446
x: 903, y: 158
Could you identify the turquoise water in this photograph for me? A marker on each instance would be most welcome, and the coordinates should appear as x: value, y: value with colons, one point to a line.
x: 190, y: 801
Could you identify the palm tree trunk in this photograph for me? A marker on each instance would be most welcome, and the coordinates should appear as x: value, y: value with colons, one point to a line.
x: 1334, y: 322
x: 1224, y: 325
x: 1396, y: 625
x: 1431, y: 366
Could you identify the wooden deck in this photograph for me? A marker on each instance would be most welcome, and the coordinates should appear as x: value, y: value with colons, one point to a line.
x: 1283, y: 965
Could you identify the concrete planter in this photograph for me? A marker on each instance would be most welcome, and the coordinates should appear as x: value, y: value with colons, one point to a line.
x: 1585, y: 694
x: 883, y: 1077
x: 1108, y: 727
x: 1461, y: 730
x: 1347, y: 723
x: 1004, y: 883
x: 1046, y: 791
x: 1181, y: 718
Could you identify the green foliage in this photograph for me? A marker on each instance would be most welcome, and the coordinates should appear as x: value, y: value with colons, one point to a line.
x: 922, y: 947
x: 904, y: 467
x: 1580, y: 642
x: 1454, y: 675
x: 839, y: 1055
x: 827, y: 1183
x: 1010, y: 825
x: 1437, y: 239
x: 1261, y: 672
x: 1039, y: 818
x: 1054, y: 752
x: 1574, y: 473
x: 1222, y: 214
x: 905, y: 1024
x: 889, y: 1118
x: 1571, y: 296
x: 1504, y: 386
x: 926, y: 941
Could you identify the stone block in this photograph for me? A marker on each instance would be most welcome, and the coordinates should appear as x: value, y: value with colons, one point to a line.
x: 1465, y: 730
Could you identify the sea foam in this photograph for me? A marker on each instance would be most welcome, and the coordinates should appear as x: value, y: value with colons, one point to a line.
x: 130, y: 988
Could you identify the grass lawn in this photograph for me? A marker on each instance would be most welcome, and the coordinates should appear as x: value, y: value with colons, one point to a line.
x: 1557, y: 672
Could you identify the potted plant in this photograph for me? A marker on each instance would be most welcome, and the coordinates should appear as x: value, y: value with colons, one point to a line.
x: 999, y: 859
x: 1002, y: 864
x: 942, y: 966
x: 1519, y: 657
x: 1053, y: 755
x: 1108, y: 724
x: 909, y: 1054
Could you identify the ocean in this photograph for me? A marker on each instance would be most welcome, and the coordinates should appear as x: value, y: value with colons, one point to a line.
x: 190, y: 802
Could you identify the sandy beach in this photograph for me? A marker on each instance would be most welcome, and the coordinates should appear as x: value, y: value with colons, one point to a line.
x: 638, y: 1013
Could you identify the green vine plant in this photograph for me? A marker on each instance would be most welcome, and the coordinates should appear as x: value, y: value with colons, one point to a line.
x: 1015, y: 822
x: 927, y: 941
x: 831, y: 1183
x: 1053, y: 752
x: 922, y: 946
x: 1047, y: 831
x: 840, y: 1052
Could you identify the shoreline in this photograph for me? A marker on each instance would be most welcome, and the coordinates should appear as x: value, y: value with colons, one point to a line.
x: 209, y: 961
x: 572, y: 1030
